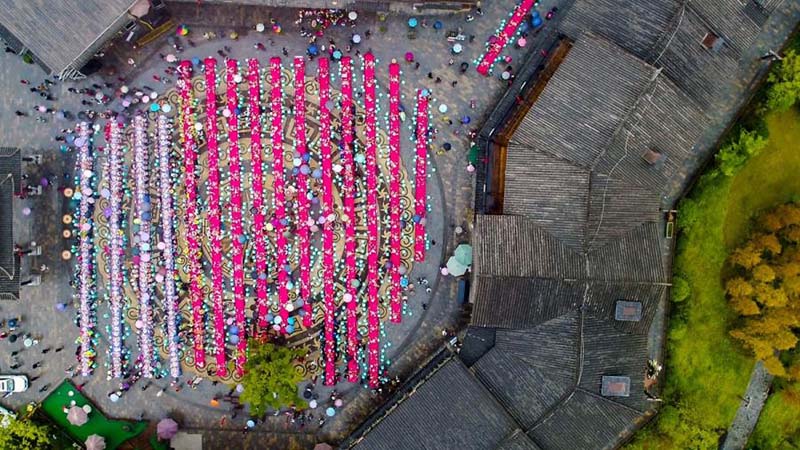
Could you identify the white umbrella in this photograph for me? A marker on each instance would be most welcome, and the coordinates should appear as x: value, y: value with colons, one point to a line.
x: 457, y: 48
x: 77, y: 416
x: 352, y: 15
x: 95, y: 442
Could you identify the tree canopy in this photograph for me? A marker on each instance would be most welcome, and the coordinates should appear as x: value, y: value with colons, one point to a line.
x: 784, y: 91
x: 764, y: 289
x: 23, y: 433
x: 270, y: 379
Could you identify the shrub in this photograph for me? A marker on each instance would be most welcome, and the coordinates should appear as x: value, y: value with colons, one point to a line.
x: 784, y: 79
x: 680, y: 289
x: 735, y: 154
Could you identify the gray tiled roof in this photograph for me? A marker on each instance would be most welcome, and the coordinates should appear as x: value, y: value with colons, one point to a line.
x: 518, y: 441
x: 557, y: 199
x: 667, y: 33
x: 728, y: 18
x: 582, y: 105
x: 607, y: 351
x: 60, y: 31
x: 584, y: 421
x: 601, y: 301
x: 633, y: 257
x: 644, y: 22
x: 522, y: 302
x: 617, y: 207
x: 515, y: 246
x: 10, y: 179
x: 699, y: 72
x: 666, y: 120
x: 529, y: 371
x: 449, y: 410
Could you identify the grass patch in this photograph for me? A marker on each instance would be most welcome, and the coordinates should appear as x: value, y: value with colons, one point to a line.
x: 774, y: 173
x: 116, y: 432
x: 779, y: 423
x: 707, y: 372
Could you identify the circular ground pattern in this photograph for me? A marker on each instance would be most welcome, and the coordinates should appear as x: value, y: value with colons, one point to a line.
x: 306, y: 338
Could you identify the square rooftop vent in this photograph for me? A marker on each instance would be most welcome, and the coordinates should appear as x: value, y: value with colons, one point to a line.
x: 712, y: 42
x: 615, y: 386
x: 627, y: 311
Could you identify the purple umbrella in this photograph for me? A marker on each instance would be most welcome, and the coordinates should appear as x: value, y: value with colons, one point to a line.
x: 166, y: 429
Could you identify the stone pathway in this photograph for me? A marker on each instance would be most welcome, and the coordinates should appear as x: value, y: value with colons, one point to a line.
x: 753, y: 401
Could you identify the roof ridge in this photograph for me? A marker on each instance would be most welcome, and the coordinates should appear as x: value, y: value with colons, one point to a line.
x: 600, y: 397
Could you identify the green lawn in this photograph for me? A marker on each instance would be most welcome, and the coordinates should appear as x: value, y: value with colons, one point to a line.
x: 779, y: 423
x: 116, y: 432
x: 774, y: 172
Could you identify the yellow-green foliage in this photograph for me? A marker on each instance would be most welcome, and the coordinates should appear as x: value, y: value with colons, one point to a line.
x: 764, y: 288
x: 270, y: 379
x: 784, y: 90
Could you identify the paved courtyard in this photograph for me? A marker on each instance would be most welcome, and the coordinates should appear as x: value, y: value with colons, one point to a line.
x: 451, y: 188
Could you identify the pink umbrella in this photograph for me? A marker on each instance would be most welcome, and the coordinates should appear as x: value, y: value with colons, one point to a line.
x: 77, y: 416
x: 166, y: 428
x: 95, y: 442
x: 521, y: 42
x: 409, y: 57
x: 140, y: 8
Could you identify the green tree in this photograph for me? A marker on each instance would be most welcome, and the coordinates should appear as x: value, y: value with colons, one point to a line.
x: 270, y: 379
x: 784, y: 79
x: 23, y: 433
x: 735, y: 154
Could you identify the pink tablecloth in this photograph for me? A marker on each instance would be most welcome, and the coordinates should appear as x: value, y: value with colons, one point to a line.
x: 237, y: 232
x: 214, y: 215
x: 348, y: 193
x: 499, y: 41
x: 373, y: 271
x: 190, y: 208
x: 327, y: 227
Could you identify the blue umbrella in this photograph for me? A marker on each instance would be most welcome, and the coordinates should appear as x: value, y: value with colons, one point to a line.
x: 330, y: 412
x: 437, y: 25
x: 313, y: 50
x: 195, y: 61
x: 337, y: 54
x: 412, y: 22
